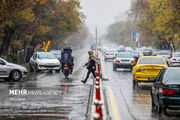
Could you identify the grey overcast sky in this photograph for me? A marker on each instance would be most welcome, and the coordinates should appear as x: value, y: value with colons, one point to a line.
x: 101, y: 13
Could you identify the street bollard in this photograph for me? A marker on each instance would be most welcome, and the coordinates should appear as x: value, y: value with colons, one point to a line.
x: 97, y: 83
x: 96, y: 116
x: 97, y: 73
x: 98, y: 65
x: 97, y: 77
x: 98, y: 108
x: 98, y: 80
x: 98, y: 96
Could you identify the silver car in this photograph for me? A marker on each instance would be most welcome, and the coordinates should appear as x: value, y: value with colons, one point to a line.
x: 110, y: 54
x: 165, y: 54
x: 44, y: 61
x: 175, y: 60
x: 10, y: 71
x: 123, y: 60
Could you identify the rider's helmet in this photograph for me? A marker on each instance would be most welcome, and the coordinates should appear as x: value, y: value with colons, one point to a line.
x: 68, y: 48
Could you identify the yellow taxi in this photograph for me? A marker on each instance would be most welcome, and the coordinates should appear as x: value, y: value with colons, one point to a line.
x: 147, y: 68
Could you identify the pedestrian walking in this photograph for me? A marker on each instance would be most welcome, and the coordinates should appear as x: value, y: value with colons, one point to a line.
x: 90, y: 65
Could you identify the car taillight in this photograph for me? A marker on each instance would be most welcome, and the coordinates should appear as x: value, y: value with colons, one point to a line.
x: 169, y: 92
x: 118, y: 61
x: 132, y: 61
x: 174, y: 59
x: 65, y: 65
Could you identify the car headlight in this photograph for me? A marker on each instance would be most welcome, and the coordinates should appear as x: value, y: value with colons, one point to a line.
x: 140, y: 70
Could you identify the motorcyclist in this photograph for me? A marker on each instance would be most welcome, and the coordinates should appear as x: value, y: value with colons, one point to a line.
x: 67, y: 58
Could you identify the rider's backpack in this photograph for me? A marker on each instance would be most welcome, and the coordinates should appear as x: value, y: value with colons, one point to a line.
x: 66, y: 56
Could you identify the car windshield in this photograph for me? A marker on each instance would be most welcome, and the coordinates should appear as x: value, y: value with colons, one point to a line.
x: 177, y: 55
x: 150, y: 60
x: 124, y: 55
x: 172, y: 76
x: 46, y: 55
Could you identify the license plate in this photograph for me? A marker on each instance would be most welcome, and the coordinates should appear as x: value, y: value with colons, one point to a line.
x: 151, y: 78
x: 66, y: 68
x: 49, y: 68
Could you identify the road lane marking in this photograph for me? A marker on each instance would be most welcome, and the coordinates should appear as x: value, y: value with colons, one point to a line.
x: 115, y: 111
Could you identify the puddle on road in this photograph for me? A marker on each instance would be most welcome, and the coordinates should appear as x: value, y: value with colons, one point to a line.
x: 71, y: 103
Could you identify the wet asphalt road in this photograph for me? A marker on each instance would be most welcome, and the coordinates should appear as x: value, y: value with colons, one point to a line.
x: 50, y: 95
x: 68, y: 98
x: 132, y: 104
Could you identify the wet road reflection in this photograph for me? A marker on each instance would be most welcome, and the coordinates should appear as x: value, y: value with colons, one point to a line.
x: 48, y: 95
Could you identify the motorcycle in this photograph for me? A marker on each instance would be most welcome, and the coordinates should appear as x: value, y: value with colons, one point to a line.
x: 66, y: 70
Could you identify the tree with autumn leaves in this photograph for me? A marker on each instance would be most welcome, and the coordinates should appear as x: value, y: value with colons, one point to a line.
x: 25, y: 24
x: 158, y: 22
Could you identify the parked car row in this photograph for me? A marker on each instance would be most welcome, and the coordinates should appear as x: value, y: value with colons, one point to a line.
x: 38, y: 62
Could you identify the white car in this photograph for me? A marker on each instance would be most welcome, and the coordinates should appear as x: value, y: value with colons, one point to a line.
x: 175, y: 60
x: 165, y: 54
x: 44, y: 61
x: 110, y: 54
x: 129, y: 49
x: 10, y: 71
x: 124, y: 60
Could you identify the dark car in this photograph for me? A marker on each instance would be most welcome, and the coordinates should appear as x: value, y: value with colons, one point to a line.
x: 147, y: 52
x: 165, y: 92
x: 136, y: 55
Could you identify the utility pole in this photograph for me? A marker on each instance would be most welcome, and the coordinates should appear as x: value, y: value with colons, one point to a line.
x: 96, y: 42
